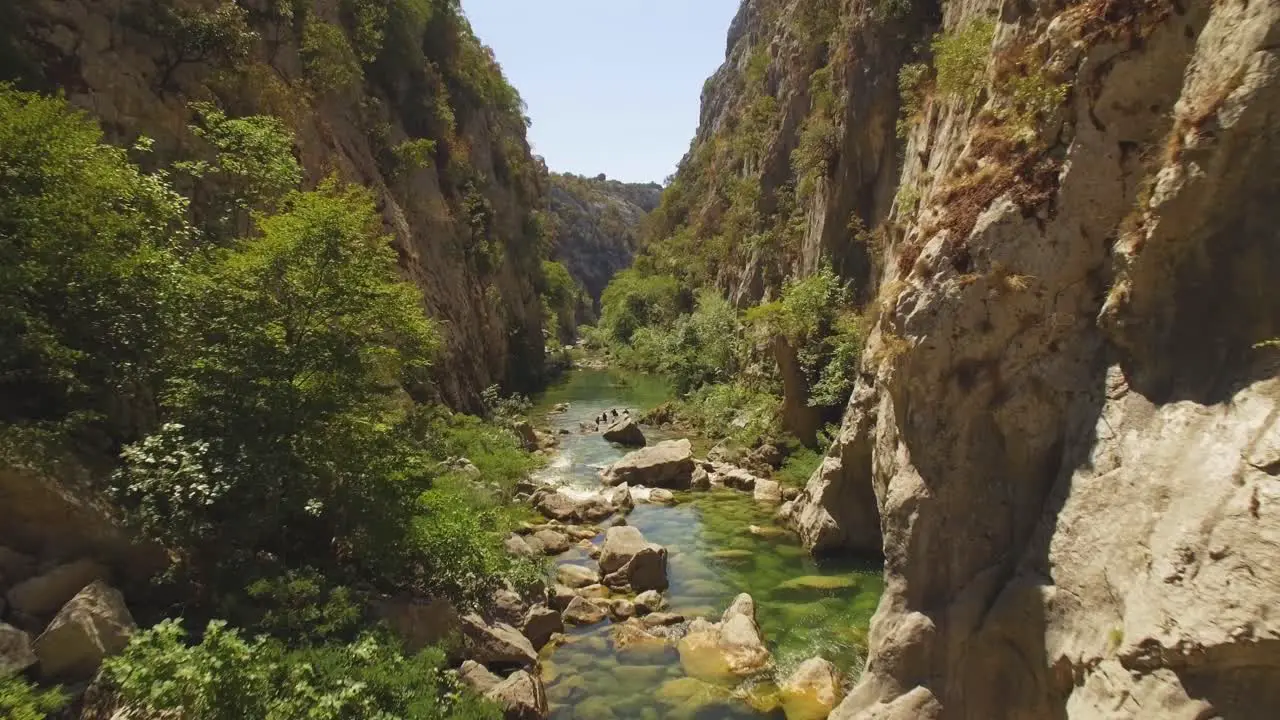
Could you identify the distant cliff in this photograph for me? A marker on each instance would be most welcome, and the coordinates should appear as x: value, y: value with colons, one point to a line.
x: 598, y: 225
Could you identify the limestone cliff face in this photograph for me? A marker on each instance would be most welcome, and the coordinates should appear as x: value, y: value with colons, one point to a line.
x: 598, y: 225
x: 1064, y: 439
x: 461, y: 217
x: 1066, y: 429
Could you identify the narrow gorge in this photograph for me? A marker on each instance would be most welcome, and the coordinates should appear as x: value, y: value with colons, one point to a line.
x: 939, y: 380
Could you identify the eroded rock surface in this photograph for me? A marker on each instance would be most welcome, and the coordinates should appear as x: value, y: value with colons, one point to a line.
x: 668, y: 464
x: 629, y: 560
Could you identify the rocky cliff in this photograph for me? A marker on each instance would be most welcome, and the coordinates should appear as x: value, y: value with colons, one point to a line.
x: 598, y: 224
x: 397, y: 96
x: 1061, y: 218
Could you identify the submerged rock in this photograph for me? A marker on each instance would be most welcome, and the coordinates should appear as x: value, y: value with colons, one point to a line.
x: 625, y: 432
x: 731, y: 648
x: 628, y: 559
x: 583, y: 612
x: 812, y: 691
x: 768, y: 491
x: 807, y: 583
x: 649, y: 601
x: 559, y: 596
x: 668, y: 464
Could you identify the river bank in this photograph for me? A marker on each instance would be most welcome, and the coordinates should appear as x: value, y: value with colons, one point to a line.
x: 719, y: 543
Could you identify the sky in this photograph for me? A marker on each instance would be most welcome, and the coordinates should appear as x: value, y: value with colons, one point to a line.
x: 613, y: 86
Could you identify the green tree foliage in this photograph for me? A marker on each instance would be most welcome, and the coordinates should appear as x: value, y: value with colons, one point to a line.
x: 19, y: 700
x: 633, y: 300
x: 813, y: 315
x: 247, y: 164
x: 561, y: 297
x: 961, y: 59
x: 87, y: 245
x: 220, y: 36
x: 229, y: 677
x: 286, y: 436
x: 694, y: 349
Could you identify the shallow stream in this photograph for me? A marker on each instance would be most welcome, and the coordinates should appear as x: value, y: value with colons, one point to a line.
x: 804, y: 607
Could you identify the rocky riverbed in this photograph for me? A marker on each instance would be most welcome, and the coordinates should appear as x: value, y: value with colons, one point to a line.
x: 677, y: 592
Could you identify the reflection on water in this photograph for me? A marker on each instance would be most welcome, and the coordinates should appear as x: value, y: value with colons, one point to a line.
x: 804, y: 607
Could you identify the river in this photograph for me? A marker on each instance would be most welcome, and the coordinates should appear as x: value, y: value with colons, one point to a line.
x: 804, y: 607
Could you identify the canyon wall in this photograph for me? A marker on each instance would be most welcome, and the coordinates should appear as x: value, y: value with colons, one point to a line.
x: 598, y: 223
x: 1061, y: 219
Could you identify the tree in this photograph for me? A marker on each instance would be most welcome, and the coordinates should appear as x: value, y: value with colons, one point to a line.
x: 189, y: 36
x: 88, y: 244
x: 286, y: 416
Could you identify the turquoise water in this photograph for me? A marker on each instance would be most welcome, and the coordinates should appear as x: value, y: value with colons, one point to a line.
x: 804, y: 607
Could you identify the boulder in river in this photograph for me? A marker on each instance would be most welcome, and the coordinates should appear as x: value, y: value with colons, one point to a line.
x: 668, y: 464
x: 553, y: 543
x: 560, y: 595
x: 508, y: 607
x: 649, y: 601
x: 521, y: 697
x: 497, y: 645
x: 812, y: 691
x: 768, y: 491
x: 477, y: 677
x: 727, y: 649
x: 583, y: 612
x: 540, y: 623
x: 625, y: 432
x: 629, y: 559
x: 516, y: 545
x: 566, y: 507
x: 43, y: 595
x: 701, y: 479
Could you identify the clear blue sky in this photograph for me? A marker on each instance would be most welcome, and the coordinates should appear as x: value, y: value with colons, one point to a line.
x: 612, y: 85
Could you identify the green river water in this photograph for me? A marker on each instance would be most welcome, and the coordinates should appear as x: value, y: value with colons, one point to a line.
x: 804, y: 607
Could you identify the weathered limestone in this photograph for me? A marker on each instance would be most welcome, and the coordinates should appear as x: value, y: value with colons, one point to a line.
x: 540, y: 623
x: 15, y: 651
x: 521, y: 697
x: 812, y: 690
x: 90, y: 627
x: 418, y: 622
x: 498, y: 645
x: 576, y: 576
x: 629, y: 560
x: 566, y: 507
x: 625, y: 432
x: 582, y: 611
x: 730, y: 648
x: 43, y: 595
x: 668, y: 464
x: 649, y: 601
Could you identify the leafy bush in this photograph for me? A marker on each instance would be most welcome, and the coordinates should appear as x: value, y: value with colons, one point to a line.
x: 300, y: 608
x: 819, y: 136
x: 87, y: 243
x: 798, y: 467
x: 227, y: 677
x: 695, y: 349
x: 330, y: 63
x: 19, y: 700
x: 913, y: 81
x: 734, y: 410
x: 633, y: 300
x: 561, y: 296
x: 413, y: 155
x: 961, y: 59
